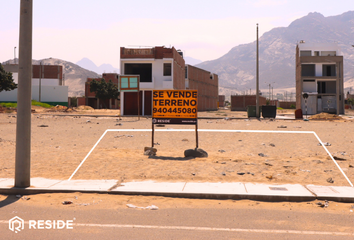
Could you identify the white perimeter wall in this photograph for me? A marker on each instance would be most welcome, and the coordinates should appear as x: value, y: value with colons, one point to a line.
x: 49, y: 94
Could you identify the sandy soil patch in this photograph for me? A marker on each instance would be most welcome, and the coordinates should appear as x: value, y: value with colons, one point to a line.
x: 274, y: 158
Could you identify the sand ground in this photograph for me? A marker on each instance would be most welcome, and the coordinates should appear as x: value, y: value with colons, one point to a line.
x: 275, y: 158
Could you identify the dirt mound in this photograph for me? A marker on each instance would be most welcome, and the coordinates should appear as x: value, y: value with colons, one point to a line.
x: 84, y: 107
x: 325, y: 116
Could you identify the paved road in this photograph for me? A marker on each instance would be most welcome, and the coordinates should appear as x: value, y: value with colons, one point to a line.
x: 180, y: 222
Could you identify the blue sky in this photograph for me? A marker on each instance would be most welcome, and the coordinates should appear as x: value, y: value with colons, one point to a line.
x: 202, y: 29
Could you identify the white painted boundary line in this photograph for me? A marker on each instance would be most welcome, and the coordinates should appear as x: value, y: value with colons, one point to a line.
x: 210, y: 130
x: 269, y: 231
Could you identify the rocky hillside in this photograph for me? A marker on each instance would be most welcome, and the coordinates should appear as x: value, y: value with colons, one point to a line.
x: 237, y: 68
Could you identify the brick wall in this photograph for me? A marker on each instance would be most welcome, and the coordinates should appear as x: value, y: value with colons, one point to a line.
x: 207, y: 85
x: 178, y: 70
x: 286, y: 105
x: 240, y: 102
x: 221, y: 100
x: 48, y: 71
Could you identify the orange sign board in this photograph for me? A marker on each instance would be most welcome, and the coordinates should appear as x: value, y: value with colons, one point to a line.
x: 170, y: 105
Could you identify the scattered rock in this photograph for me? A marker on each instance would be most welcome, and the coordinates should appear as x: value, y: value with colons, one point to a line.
x: 193, y: 174
x: 351, y: 166
x: 270, y: 177
x: 282, y: 126
x: 324, y: 144
x: 220, y: 150
x: 330, y: 180
x: 88, y: 121
x: 317, y: 161
x: 323, y: 205
x: 67, y: 202
x: 149, y: 151
x: 223, y: 163
x: 197, y: 152
x: 250, y: 173
x: 42, y: 125
x: 119, y: 124
x: 268, y: 164
x: 272, y: 144
x: 261, y: 155
x: 240, y: 173
x: 223, y: 173
x: 156, y: 143
x: 185, y: 140
x: 327, y: 170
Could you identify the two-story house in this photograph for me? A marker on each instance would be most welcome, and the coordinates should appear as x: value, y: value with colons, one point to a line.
x: 158, y: 68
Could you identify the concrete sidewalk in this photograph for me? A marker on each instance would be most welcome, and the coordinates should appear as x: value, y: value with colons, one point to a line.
x: 226, y: 190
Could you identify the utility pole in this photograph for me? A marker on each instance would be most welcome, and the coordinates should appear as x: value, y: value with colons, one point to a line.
x: 14, y: 55
x: 257, y: 79
x: 23, y: 127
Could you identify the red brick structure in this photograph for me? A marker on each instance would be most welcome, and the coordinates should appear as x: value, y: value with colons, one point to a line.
x: 92, y: 101
x: 207, y: 85
x: 240, y: 102
x: 221, y: 100
x: 48, y: 71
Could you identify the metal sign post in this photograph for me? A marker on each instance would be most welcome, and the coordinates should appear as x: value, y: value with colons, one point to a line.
x: 175, y: 107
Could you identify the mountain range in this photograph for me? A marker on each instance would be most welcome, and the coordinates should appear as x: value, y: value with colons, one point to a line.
x: 90, y: 65
x: 237, y: 68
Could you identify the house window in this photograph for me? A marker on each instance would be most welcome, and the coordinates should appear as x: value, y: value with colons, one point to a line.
x: 326, y: 87
x: 167, y: 69
x: 307, y: 70
x: 142, y: 69
x: 329, y: 70
x: 305, y: 53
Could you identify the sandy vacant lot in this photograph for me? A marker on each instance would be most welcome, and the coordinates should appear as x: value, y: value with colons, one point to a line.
x: 62, y: 143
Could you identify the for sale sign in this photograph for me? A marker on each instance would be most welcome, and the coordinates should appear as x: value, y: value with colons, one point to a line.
x: 175, y: 106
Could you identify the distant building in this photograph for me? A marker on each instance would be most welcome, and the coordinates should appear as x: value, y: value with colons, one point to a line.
x: 206, y: 83
x: 90, y: 97
x: 47, y: 85
x: 241, y: 102
x: 319, y: 73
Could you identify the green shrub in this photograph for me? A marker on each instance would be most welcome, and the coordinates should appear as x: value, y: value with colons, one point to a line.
x: 279, y: 108
x: 34, y: 103
x: 292, y: 106
x: 45, y: 105
x: 9, y: 105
